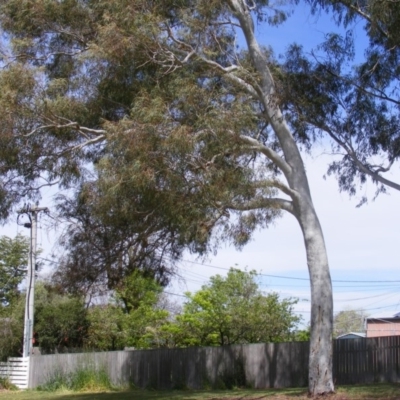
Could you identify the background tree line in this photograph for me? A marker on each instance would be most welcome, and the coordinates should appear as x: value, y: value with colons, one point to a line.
x: 227, y: 310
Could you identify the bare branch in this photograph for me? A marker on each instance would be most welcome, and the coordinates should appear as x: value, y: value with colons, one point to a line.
x: 90, y: 130
x: 80, y: 146
x: 49, y: 55
x: 225, y: 23
x: 39, y: 128
x: 48, y: 184
x: 284, y: 188
x: 268, y: 152
x: 228, y: 73
x: 74, y: 125
x: 262, y: 203
x: 253, y: 5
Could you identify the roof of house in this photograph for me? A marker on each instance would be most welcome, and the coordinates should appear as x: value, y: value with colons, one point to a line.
x: 394, y: 318
x: 352, y: 335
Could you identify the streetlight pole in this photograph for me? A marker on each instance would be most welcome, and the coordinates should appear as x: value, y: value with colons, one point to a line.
x: 30, y: 290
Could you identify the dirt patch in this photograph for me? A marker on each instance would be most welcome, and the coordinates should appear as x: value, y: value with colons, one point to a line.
x: 336, y: 396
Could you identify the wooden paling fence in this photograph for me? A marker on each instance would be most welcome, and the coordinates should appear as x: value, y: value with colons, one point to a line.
x: 254, y: 365
x: 367, y: 360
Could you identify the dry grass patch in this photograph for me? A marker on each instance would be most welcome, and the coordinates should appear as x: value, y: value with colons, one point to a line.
x: 354, y: 392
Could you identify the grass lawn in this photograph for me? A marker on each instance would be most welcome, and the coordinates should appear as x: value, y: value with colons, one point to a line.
x: 354, y: 392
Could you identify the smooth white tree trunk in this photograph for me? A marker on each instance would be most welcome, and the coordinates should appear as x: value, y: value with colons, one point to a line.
x: 292, y: 166
x: 320, y: 378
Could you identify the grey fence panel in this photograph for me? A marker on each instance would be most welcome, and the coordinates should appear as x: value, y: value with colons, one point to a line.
x: 45, y: 368
x: 254, y: 365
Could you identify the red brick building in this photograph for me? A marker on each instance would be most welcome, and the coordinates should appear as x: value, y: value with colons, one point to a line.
x: 383, y: 326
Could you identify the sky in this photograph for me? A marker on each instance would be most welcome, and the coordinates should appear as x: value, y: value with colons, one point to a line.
x: 362, y: 243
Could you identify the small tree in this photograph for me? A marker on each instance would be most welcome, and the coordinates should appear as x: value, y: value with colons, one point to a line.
x: 349, y: 320
x: 140, y: 296
x: 106, y: 328
x: 232, y: 310
x: 13, y: 267
x: 131, y: 318
x: 60, y: 319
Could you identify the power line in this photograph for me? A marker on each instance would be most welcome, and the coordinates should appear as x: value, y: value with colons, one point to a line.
x: 295, y: 278
x: 174, y: 294
x: 373, y: 283
x: 360, y: 310
x: 369, y: 297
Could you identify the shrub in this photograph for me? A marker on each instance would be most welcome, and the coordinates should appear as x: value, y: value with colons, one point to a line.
x: 5, y: 384
x: 82, y: 379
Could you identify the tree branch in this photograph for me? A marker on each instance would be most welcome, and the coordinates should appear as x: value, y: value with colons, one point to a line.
x: 373, y: 92
x: 73, y: 125
x: 284, y: 188
x: 263, y: 203
x: 360, y: 165
x: 362, y: 14
x: 275, y: 183
x: 80, y: 146
x: 228, y: 72
x: 268, y: 152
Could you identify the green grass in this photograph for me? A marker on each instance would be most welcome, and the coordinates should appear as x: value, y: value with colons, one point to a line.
x: 152, y: 395
x: 355, y: 392
x: 376, y: 391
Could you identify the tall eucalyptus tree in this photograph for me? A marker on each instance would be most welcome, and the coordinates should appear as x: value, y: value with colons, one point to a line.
x: 183, y: 128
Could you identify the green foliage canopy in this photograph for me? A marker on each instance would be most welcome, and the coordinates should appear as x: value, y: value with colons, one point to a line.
x: 100, y: 92
x: 232, y: 310
x: 60, y: 320
x: 349, y: 320
x: 132, y: 318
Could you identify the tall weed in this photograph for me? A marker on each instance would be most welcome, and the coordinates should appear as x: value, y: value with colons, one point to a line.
x: 82, y: 379
x: 5, y: 384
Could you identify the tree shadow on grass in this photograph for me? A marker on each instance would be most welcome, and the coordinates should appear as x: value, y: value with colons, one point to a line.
x: 188, y: 395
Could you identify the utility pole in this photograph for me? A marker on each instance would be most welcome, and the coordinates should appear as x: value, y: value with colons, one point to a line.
x: 32, y: 212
